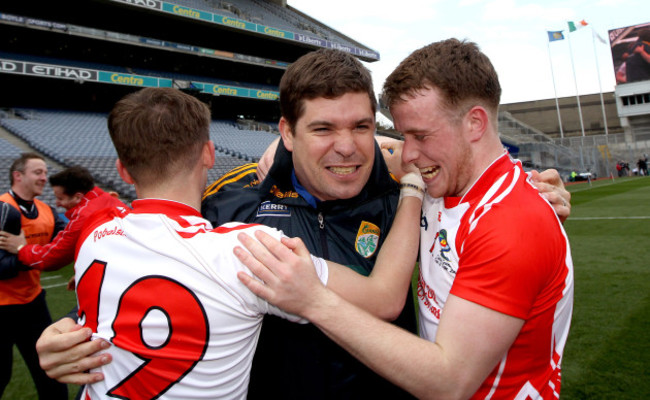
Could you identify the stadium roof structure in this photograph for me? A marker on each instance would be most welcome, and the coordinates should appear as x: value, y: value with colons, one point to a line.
x: 232, y: 53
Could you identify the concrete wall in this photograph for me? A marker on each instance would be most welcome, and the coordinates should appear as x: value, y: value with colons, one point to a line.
x: 543, y: 115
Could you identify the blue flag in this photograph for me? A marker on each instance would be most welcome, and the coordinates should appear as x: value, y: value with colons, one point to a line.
x: 555, y: 35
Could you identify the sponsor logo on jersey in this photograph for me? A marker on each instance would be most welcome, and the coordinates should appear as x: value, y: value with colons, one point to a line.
x: 268, y: 209
x: 367, y: 239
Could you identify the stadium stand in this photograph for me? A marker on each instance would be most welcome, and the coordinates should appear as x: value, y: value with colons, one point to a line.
x: 65, y: 63
x: 81, y: 138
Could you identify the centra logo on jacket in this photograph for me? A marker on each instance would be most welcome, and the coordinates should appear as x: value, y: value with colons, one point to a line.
x: 367, y: 239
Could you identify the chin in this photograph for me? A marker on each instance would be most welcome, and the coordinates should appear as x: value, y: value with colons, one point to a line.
x: 344, y: 194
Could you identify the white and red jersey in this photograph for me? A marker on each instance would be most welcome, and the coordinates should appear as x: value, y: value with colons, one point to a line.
x: 160, y: 284
x: 502, y: 246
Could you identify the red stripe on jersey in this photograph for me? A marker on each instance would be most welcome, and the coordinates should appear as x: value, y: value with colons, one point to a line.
x: 226, y: 229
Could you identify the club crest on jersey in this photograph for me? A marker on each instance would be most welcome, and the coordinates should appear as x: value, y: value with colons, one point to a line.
x: 268, y: 209
x: 367, y: 239
x: 444, y: 245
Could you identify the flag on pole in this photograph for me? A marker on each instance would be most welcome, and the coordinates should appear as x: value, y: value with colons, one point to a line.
x: 555, y: 35
x: 597, y: 36
x: 574, y: 26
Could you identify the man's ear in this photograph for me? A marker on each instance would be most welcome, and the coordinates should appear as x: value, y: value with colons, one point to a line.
x: 207, y: 154
x: 477, y: 122
x: 124, y: 174
x: 285, y: 132
x: 78, y: 196
x: 17, y: 175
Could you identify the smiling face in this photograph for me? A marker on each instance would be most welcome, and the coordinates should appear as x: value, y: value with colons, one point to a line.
x: 333, y: 146
x: 30, y: 182
x: 435, y: 142
x: 66, y: 201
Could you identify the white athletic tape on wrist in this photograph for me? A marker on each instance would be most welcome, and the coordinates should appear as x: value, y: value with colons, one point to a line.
x: 412, y: 184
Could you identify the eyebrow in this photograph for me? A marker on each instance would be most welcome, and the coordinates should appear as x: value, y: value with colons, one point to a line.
x: 329, y: 123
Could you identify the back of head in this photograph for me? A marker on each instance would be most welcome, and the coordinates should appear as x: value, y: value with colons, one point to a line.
x: 326, y: 73
x: 157, y: 131
x: 458, y: 69
x: 73, y: 180
x: 20, y: 162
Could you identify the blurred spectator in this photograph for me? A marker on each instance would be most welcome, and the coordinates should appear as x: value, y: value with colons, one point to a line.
x: 642, y: 164
x: 75, y: 190
x: 23, y: 310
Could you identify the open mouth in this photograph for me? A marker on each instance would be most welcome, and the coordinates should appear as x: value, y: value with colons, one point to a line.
x: 429, y: 172
x: 342, y: 170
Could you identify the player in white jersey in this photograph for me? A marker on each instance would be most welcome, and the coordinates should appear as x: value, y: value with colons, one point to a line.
x: 160, y: 285
x: 496, y: 281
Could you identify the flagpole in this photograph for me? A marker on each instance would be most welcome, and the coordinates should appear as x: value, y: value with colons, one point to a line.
x: 557, y: 104
x: 575, y: 81
x: 602, y: 102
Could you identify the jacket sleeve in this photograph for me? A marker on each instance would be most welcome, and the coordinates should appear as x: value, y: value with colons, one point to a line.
x: 9, y: 222
x: 9, y: 265
x: 56, y: 254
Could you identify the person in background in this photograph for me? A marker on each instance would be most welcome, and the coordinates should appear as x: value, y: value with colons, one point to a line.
x: 75, y: 190
x: 23, y: 309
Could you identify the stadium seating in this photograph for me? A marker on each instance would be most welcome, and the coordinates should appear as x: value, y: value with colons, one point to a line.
x: 81, y: 138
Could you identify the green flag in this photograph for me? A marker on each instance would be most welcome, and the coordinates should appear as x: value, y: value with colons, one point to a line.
x: 574, y: 26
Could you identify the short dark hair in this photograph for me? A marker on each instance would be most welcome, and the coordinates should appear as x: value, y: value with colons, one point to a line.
x: 458, y: 69
x: 326, y: 73
x: 73, y: 180
x: 158, y: 130
x: 20, y: 162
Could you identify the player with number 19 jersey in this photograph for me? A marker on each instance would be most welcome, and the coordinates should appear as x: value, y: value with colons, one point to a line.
x: 161, y: 286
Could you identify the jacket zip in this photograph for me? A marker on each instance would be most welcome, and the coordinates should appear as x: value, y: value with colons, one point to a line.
x: 323, y: 239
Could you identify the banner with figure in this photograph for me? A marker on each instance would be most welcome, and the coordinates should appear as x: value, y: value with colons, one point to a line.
x: 631, y: 53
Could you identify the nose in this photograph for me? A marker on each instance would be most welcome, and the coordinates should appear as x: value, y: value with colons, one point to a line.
x: 409, y: 150
x: 344, y: 144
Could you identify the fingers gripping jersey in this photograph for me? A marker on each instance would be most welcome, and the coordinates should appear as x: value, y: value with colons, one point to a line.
x: 160, y: 284
x: 502, y: 247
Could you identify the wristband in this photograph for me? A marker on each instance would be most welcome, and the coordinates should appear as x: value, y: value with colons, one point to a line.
x: 412, y: 184
x: 19, y: 247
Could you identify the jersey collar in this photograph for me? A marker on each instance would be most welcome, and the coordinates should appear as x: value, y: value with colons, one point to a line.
x: 161, y: 206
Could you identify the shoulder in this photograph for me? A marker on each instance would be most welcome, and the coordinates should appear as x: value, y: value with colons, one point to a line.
x: 230, y: 205
x: 236, y: 178
x: 9, y: 218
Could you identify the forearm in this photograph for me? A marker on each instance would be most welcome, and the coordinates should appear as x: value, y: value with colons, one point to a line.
x: 383, y: 293
x: 54, y: 255
x: 410, y: 362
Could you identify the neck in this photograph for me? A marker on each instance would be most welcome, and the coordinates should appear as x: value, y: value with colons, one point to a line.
x: 22, y: 194
x: 182, y: 189
x: 483, y: 154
